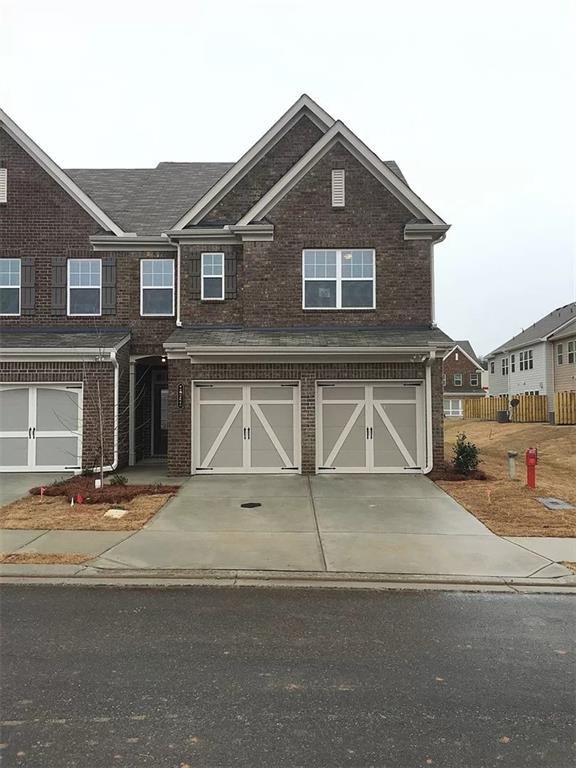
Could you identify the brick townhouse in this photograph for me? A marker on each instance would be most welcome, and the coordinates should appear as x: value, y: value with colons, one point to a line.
x: 270, y: 315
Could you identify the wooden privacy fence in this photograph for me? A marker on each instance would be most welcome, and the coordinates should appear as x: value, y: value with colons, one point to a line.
x: 531, y: 408
x: 565, y: 408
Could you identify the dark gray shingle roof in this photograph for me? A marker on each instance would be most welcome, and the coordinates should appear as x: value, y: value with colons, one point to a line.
x: 200, y: 336
x: 54, y: 338
x: 465, y: 345
x: 543, y: 327
x: 149, y: 201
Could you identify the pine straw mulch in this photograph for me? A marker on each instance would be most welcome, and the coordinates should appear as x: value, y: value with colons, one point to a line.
x: 55, y: 513
x: 508, y: 507
x: 108, y: 494
x: 46, y: 558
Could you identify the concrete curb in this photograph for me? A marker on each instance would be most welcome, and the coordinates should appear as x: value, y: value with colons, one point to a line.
x: 89, y: 576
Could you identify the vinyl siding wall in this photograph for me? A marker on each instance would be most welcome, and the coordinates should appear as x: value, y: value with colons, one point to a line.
x: 565, y: 374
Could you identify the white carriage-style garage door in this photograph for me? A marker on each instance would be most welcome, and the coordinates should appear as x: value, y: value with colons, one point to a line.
x: 40, y: 427
x: 370, y: 427
x: 246, y: 428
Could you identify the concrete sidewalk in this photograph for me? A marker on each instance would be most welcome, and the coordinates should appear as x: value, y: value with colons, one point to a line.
x: 385, y: 524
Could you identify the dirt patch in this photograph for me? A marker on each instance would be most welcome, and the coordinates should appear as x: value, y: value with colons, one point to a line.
x: 35, y: 558
x: 109, y: 494
x: 508, y: 507
x: 55, y: 513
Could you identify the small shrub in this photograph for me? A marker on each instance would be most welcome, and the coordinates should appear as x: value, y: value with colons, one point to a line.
x: 118, y: 480
x: 466, y: 457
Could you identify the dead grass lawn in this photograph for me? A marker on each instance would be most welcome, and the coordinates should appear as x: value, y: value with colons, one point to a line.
x: 508, y: 507
x: 55, y: 513
x: 36, y: 558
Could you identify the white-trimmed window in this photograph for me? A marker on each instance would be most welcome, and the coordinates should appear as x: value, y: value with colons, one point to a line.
x: 512, y: 363
x: 504, y: 366
x: 10, y: 286
x: 338, y: 279
x: 559, y: 354
x: 474, y: 380
x: 452, y: 407
x: 491, y: 366
x: 84, y: 287
x: 156, y: 287
x: 212, y: 277
x: 457, y: 378
x: 572, y: 352
x: 526, y: 360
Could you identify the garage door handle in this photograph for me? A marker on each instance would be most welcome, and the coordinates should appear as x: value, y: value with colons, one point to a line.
x: 33, y: 433
x: 248, y: 433
x: 29, y: 433
x: 368, y: 433
x: 244, y: 430
x: 371, y: 433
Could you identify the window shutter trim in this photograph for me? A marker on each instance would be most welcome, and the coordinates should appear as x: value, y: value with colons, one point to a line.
x: 109, y: 284
x: 28, y: 285
x: 59, y: 285
x: 230, y: 282
x: 195, y: 267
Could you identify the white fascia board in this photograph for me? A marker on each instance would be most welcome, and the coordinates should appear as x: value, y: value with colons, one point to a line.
x: 53, y: 170
x: 457, y: 346
x: 341, y: 133
x: 109, y: 243
x: 304, y: 105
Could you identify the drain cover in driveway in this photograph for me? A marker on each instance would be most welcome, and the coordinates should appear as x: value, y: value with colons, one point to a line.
x: 251, y: 504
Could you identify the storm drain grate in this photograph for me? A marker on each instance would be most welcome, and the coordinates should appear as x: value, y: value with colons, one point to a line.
x: 251, y: 504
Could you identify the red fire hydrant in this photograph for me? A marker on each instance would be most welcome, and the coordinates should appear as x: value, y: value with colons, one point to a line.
x: 531, y: 461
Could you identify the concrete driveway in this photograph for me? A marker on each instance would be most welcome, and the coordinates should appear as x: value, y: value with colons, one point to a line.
x: 14, y: 485
x: 345, y: 523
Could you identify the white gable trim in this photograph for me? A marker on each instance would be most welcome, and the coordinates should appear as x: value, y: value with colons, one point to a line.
x: 304, y: 106
x: 560, y: 328
x: 472, y: 360
x: 340, y: 133
x: 58, y: 174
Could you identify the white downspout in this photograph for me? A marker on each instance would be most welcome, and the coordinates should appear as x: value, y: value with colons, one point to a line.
x: 178, y: 272
x: 114, y: 361
x: 429, y: 437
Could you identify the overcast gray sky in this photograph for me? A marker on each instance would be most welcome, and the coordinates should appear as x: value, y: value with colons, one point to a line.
x: 475, y: 101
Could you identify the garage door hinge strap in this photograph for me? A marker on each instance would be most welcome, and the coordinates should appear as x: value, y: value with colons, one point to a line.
x: 412, y: 467
x: 204, y: 469
x: 289, y: 468
x: 334, y: 468
x: 203, y: 385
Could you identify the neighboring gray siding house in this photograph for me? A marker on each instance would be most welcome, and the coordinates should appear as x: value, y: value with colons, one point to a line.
x: 540, y: 360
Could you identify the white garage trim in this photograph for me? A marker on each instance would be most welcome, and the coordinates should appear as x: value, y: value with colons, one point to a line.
x: 238, y: 436
x: 30, y: 435
x: 371, y: 439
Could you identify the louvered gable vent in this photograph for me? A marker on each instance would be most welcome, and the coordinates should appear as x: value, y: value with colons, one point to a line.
x: 338, y: 188
x: 3, y: 185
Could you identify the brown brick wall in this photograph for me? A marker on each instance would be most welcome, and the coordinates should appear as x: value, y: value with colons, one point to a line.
x: 281, y: 157
x: 465, y: 367
x: 90, y: 374
x: 181, y: 372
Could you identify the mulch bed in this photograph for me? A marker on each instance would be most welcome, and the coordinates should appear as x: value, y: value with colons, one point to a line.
x: 451, y: 475
x: 110, y: 494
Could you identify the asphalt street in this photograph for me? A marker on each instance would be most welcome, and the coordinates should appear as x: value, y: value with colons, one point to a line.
x: 178, y: 677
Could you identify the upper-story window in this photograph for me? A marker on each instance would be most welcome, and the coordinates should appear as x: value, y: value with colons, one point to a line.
x: 572, y: 352
x: 559, y: 354
x: 474, y: 380
x: 338, y: 279
x: 512, y: 363
x: 491, y: 366
x: 457, y: 379
x: 157, y: 287
x: 10, y: 286
x: 526, y: 360
x: 212, y: 277
x: 443, y: 379
x: 84, y: 287
x: 504, y: 366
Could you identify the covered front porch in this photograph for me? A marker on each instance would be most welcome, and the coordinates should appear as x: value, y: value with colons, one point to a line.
x: 148, y: 411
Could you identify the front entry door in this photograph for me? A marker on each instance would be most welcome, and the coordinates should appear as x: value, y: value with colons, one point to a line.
x: 246, y: 428
x: 370, y: 427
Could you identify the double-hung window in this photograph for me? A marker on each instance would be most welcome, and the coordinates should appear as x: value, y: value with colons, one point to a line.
x: 84, y: 287
x: 338, y: 279
x: 157, y: 287
x: 504, y: 366
x: 10, y: 286
x: 512, y: 363
x: 560, y: 354
x: 474, y: 380
x: 457, y: 379
x: 526, y: 360
x: 212, y: 277
x: 572, y: 352
x: 491, y: 366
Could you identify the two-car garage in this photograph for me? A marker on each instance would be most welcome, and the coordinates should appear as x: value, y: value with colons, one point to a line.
x: 357, y: 426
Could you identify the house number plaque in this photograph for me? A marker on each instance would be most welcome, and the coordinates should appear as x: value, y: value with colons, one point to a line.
x: 180, y: 396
